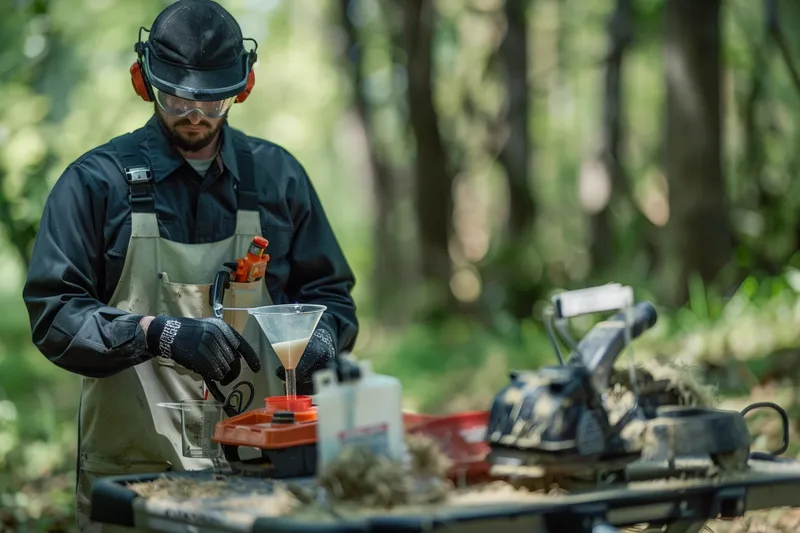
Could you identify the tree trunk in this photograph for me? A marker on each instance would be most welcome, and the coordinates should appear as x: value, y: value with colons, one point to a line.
x: 514, y: 154
x: 388, y: 269
x: 782, y: 15
x: 603, y: 245
x: 433, y: 177
x: 511, y: 269
x: 698, y: 237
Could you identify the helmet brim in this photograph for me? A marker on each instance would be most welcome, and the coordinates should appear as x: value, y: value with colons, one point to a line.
x: 194, y: 84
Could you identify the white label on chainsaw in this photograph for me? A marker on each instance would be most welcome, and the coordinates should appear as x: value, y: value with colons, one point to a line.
x: 609, y: 297
x: 373, y: 438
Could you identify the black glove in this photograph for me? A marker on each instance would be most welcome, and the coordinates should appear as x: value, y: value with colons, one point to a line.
x: 207, y: 346
x: 318, y: 355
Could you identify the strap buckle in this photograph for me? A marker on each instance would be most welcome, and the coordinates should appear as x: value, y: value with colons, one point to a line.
x: 138, y: 175
x: 139, y: 188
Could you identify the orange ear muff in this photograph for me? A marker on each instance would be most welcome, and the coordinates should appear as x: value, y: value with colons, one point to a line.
x: 139, y: 83
x: 251, y: 82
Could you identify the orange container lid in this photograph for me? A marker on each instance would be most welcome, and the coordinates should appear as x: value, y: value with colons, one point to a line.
x: 302, y: 406
x: 257, y: 429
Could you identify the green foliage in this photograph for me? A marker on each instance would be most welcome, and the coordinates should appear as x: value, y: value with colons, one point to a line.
x: 457, y: 365
x: 65, y: 89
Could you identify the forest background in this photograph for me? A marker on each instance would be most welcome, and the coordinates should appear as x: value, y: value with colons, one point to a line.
x: 473, y: 157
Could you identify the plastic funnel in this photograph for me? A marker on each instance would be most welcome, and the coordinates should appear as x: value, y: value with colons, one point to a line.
x: 288, y: 328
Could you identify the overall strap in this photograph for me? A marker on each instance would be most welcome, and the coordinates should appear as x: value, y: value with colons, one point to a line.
x: 137, y: 173
x: 248, y: 195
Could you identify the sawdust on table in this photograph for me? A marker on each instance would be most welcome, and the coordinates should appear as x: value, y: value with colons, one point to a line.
x: 369, y: 480
x: 179, y: 488
x: 359, y: 483
x: 772, y: 521
x: 277, y: 500
x: 356, y: 484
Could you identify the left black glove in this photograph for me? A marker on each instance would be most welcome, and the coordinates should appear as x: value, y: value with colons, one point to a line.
x: 318, y: 355
x: 207, y: 346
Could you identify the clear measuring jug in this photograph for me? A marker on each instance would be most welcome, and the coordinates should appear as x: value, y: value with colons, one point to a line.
x: 199, y: 418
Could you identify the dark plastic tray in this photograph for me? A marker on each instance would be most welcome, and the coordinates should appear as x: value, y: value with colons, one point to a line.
x: 687, y: 502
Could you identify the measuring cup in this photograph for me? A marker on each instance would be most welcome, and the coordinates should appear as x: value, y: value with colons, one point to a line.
x: 199, y: 418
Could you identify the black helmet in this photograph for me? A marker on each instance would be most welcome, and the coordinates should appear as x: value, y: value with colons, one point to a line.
x: 196, y: 51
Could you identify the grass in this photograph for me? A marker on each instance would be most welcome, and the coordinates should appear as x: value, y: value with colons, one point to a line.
x: 747, y: 345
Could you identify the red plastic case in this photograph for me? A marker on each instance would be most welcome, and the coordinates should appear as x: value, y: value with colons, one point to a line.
x: 462, y: 437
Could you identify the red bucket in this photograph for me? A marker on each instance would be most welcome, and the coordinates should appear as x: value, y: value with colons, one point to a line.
x: 462, y: 437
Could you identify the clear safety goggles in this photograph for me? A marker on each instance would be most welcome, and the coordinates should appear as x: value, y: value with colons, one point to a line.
x: 180, y: 107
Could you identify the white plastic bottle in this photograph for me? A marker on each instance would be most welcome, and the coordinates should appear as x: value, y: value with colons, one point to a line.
x: 364, y: 412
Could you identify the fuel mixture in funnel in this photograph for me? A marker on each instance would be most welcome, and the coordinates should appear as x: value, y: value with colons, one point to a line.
x: 288, y: 329
x: 290, y: 352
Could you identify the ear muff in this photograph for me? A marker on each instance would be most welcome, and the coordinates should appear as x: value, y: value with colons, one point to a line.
x: 251, y: 82
x: 139, y: 83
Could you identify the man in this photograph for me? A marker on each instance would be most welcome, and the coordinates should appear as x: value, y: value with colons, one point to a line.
x: 135, y: 231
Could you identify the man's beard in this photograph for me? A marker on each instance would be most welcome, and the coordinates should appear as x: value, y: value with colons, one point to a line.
x: 194, y: 143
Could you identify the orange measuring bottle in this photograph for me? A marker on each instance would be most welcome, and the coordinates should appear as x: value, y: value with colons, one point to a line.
x: 253, y: 265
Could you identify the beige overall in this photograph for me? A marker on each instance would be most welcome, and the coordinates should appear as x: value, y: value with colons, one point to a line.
x: 122, y: 430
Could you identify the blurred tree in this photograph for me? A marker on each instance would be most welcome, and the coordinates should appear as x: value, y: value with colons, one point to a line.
x: 753, y: 155
x: 698, y: 237
x: 779, y: 16
x: 23, y: 61
x: 603, y: 245
x: 390, y: 265
x: 432, y: 171
x: 510, y: 269
x: 774, y: 12
x: 515, y: 152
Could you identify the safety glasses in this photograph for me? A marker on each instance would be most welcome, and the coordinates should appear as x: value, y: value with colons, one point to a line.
x: 180, y: 107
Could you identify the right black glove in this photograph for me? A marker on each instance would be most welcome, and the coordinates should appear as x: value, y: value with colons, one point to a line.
x: 207, y: 346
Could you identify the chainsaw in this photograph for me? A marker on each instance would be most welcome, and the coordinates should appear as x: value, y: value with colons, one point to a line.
x: 555, y: 421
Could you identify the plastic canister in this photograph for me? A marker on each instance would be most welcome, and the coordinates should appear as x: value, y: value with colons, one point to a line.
x: 366, y: 412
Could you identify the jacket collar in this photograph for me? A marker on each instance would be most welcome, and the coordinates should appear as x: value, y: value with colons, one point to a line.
x: 165, y: 159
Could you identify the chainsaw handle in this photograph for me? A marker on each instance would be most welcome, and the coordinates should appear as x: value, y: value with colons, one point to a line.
x: 601, y: 346
x: 644, y: 318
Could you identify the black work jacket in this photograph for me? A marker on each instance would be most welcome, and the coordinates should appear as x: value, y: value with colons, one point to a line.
x: 83, y: 239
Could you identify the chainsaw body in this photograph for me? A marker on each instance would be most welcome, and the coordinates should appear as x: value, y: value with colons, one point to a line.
x: 554, y: 417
